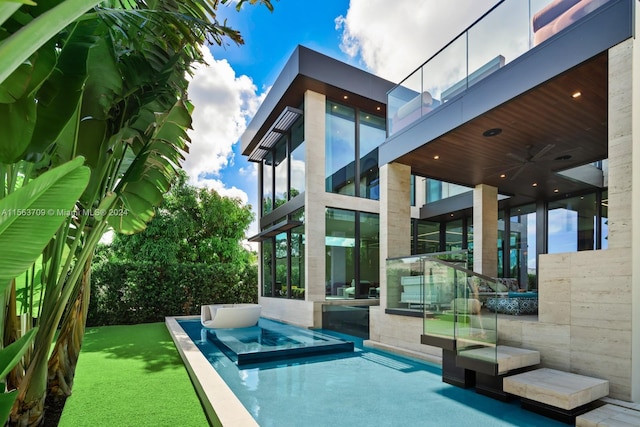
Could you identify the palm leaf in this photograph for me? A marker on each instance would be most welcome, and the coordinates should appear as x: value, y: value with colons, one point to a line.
x: 30, y: 216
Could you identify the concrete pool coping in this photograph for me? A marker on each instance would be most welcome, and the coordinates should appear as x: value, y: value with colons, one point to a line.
x: 220, y: 404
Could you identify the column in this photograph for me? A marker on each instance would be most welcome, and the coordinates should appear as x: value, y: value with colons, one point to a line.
x: 485, y: 230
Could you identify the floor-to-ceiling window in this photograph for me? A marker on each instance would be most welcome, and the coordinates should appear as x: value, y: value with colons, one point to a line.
x: 352, y: 254
x: 573, y: 224
x: 351, y: 151
x: 297, y: 159
x: 369, y: 255
x: 281, y: 173
x: 267, y: 183
x: 372, y: 133
x: 523, y: 246
x: 340, y: 149
x: 267, y: 268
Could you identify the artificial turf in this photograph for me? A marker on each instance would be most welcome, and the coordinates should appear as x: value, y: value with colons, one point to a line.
x: 131, y: 376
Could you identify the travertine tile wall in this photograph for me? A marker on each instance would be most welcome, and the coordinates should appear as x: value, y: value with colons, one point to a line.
x: 395, y: 218
x: 588, y: 299
x: 485, y: 230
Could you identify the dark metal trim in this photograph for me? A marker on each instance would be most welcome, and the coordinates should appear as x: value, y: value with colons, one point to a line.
x: 440, y: 342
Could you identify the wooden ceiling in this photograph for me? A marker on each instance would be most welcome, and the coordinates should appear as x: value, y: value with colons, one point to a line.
x: 540, y: 129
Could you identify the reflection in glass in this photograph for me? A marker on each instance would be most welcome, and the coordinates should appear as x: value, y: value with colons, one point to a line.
x: 297, y: 158
x: 372, y: 134
x: 267, y: 184
x: 281, y: 162
x: 267, y: 267
x: 369, y: 285
x: 340, y: 149
x: 604, y: 220
x: 522, y: 245
x: 428, y: 237
x: 340, y: 252
x: 572, y: 224
x: 297, y: 262
x: 281, y: 265
x: 454, y: 237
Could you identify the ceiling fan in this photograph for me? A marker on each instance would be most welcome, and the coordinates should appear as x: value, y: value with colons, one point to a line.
x: 531, y: 158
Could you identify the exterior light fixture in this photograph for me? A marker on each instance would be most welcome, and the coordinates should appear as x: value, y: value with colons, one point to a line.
x: 535, y: 184
x: 436, y: 157
x: 378, y: 108
x: 555, y: 190
x: 345, y: 97
x: 492, y: 132
x: 502, y: 175
x: 577, y: 94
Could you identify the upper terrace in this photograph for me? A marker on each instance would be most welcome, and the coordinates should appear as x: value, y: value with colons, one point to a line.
x: 499, y: 104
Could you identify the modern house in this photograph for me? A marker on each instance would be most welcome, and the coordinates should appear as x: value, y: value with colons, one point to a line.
x: 510, y: 150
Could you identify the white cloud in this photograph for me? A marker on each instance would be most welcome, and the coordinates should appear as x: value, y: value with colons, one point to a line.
x: 394, y: 38
x: 223, y: 104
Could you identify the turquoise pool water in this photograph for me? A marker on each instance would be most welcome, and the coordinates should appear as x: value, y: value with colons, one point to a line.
x: 366, y: 387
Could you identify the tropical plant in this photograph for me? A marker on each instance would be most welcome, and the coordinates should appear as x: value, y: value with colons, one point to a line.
x: 31, y: 215
x: 192, y: 225
x: 111, y: 86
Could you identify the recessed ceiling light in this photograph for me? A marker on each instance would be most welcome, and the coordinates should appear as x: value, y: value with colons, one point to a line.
x: 378, y: 108
x: 555, y: 190
x: 436, y: 157
x: 345, y: 97
x: 502, y: 175
x: 535, y: 184
x: 563, y: 157
x: 492, y: 132
x: 577, y: 94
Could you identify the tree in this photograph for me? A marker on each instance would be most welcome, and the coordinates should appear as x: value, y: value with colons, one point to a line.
x: 192, y: 225
x: 108, y: 87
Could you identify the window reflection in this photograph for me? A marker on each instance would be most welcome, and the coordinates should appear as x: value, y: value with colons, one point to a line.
x: 372, y: 134
x: 340, y: 149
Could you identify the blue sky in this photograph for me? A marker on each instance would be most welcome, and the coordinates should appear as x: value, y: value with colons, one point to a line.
x: 389, y: 39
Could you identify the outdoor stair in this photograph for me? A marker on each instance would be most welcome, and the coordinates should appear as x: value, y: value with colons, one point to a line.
x: 557, y: 394
x: 492, y: 364
x: 609, y: 416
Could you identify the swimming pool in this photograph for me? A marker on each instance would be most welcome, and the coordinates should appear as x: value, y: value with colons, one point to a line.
x: 366, y: 387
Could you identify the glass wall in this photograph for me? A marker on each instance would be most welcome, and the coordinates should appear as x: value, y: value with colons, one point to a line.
x: 427, y: 237
x: 298, y: 159
x: 352, y: 134
x: 369, y: 255
x: 283, y: 169
x: 340, y: 149
x: 371, y: 134
x: 267, y: 268
x: 267, y: 184
x: 573, y: 224
x: 283, y: 257
x: 523, y: 246
x: 281, y: 172
x: 297, y: 262
x: 352, y: 254
x: 438, y: 190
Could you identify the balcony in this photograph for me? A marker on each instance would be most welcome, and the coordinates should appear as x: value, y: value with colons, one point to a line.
x: 506, y: 32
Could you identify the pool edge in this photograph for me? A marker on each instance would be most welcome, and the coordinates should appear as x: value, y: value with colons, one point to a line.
x: 220, y: 404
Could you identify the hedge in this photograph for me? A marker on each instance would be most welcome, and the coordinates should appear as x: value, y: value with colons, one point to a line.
x: 125, y: 293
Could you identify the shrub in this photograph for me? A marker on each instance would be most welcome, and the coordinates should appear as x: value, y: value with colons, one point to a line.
x: 141, y: 292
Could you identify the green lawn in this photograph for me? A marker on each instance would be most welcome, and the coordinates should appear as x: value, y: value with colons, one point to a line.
x: 131, y: 376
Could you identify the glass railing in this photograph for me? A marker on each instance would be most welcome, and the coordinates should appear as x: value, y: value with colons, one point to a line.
x: 506, y: 31
x: 452, y: 300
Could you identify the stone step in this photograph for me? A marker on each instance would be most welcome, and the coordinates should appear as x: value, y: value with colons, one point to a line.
x: 507, y: 358
x: 556, y: 388
x: 609, y: 416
